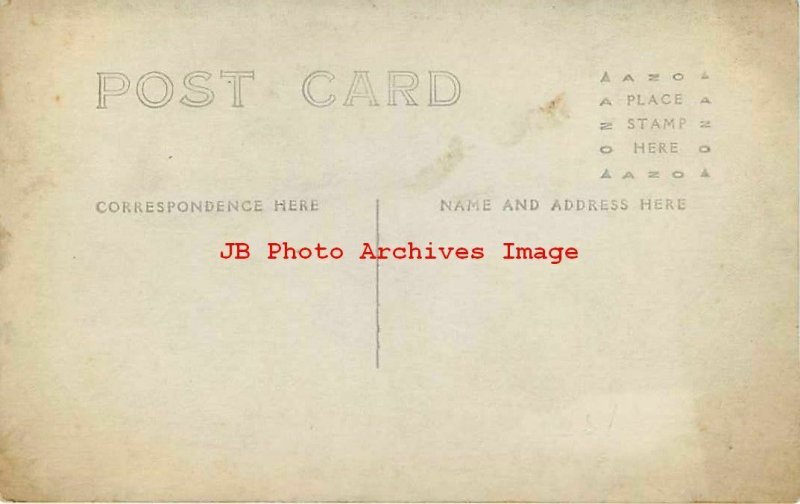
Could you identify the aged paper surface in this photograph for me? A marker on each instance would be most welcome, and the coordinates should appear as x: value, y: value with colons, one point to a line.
x: 654, y: 140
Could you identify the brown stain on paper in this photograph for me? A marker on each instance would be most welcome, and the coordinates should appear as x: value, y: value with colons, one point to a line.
x: 433, y: 175
x: 551, y: 114
x: 556, y: 108
x: 15, y: 470
x: 16, y: 466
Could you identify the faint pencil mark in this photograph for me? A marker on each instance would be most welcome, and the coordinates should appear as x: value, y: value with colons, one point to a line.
x: 613, y: 416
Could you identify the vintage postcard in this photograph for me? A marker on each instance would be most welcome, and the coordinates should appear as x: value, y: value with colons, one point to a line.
x: 399, y: 251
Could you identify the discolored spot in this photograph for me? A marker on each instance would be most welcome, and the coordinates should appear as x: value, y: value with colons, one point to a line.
x: 38, y: 184
x: 446, y: 164
x: 555, y: 108
x: 549, y: 115
x: 5, y: 238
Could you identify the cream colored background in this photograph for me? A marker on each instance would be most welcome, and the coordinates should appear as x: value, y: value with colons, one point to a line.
x: 135, y: 365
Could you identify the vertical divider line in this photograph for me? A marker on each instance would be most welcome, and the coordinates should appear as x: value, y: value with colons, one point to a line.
x: 377, y: 286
